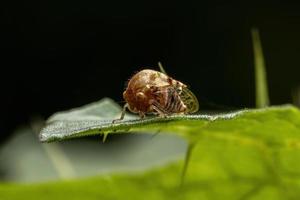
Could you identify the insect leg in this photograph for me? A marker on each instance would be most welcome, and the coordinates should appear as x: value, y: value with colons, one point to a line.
x: 142, y: 115
x: 161, y: 112
x: 122, y: 114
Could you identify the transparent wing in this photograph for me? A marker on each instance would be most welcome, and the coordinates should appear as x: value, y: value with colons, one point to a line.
x: 190, y: 100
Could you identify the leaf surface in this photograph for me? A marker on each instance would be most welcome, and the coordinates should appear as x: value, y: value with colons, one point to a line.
x: 247, y: 154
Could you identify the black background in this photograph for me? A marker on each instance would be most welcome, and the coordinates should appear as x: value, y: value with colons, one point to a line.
x: 61, y: 54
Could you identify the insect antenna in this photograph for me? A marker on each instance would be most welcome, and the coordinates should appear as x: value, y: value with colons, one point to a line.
x: 161, y: 68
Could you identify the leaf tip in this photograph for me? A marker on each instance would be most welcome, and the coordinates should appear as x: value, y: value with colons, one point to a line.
x: 261, y: 85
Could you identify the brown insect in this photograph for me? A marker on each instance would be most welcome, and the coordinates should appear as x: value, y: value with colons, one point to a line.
x: 150, y: 91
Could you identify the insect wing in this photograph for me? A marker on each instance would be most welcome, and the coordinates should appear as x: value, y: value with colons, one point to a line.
x: 190, y: 100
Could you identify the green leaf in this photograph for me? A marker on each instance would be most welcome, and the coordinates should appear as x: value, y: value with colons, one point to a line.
x: 96, y: 118
x: 247, y: 154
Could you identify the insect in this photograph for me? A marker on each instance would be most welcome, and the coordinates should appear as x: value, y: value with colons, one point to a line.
x: 150, y: 91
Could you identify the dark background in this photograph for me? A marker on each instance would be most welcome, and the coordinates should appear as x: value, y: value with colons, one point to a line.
x: 62, y: 54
